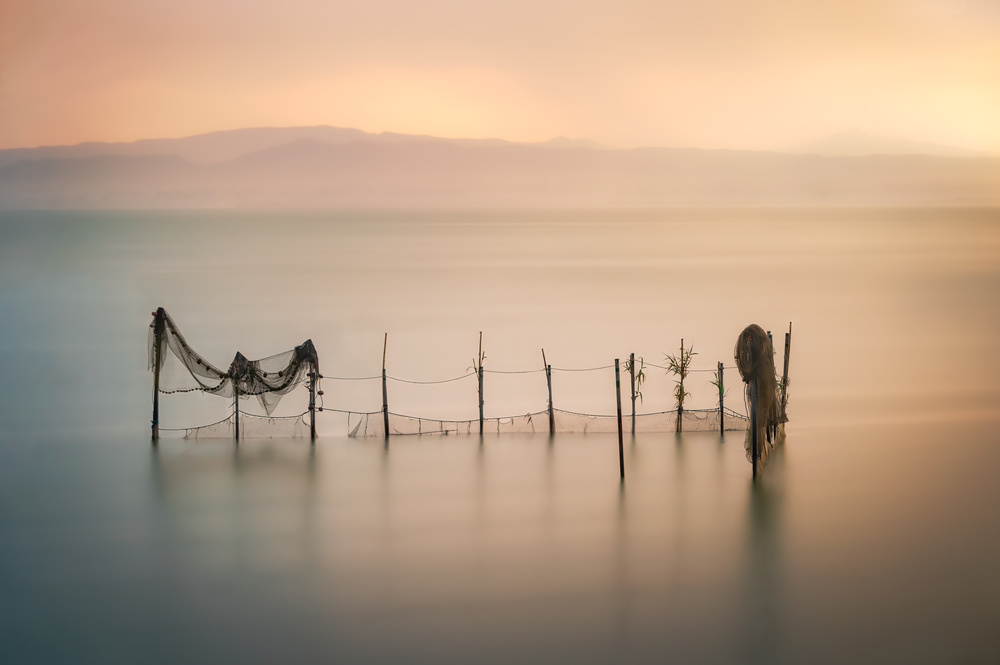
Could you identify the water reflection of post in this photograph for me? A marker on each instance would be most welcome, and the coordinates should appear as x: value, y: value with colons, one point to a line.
x: 763, y: 579
x: 623, y: 590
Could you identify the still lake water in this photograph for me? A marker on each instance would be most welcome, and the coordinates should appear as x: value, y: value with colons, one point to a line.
x: 873, y: 535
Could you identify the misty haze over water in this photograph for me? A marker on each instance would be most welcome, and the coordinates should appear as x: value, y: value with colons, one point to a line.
x: 870, y: 537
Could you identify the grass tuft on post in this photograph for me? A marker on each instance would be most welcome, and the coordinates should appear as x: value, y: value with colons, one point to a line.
x: 637, y: 377
x: 679, y: 366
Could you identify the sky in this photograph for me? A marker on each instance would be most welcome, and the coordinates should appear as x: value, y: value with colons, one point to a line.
x: 740, y: 74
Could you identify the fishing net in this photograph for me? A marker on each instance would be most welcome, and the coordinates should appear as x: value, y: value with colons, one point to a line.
x: 251, y: 427
x: 755, y: 362
x: 184, y: 370
x: 372, y: 424
x: 179, y: 368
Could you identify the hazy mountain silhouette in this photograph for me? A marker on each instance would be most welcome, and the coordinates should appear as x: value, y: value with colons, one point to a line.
x: 326, y: 167
x: 858, y: 143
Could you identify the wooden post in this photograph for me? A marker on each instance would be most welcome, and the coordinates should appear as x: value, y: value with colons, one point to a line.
x: 385, y: 394
x: 548, y: 380
x: 631, y: 371
x: 236, y: 407
x: 159, y: 324
x: 722, y: 397
x: 784, y: 374
x: 621, y: 448
x: 480, y: 372
x: 680, y: 399
x: 753, y: 425
x: 313, y: 377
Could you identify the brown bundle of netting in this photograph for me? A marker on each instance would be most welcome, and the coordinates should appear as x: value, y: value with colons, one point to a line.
x: 755, y: 361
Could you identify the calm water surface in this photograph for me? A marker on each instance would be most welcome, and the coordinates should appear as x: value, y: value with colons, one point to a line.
x: 872, y: 535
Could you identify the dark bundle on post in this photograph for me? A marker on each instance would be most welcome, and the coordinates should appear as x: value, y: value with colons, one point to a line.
x: 755, y: 361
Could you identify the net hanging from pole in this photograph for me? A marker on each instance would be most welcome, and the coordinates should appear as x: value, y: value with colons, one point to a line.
x: 251, y: 427
x: 754, y: 354
x: 370, y: 424
x: 181, y: 369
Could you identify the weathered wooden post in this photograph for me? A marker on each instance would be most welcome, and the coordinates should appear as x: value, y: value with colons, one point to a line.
x: 236, y: 408
x: 548, y: 380
x: 722, y: 397
x: 621, y: 447
x: 385, y: 394
x: 680, y: 396
x: 784, y: 374
x: 480, y: 372
x: 753, y: 425
x: 631, y: 371
x: 313, y: 377
x: 159, y: 327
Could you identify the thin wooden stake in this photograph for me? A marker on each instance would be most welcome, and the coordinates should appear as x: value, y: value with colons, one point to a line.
x: 631, y: 371
x: 159, y: 324
x: 314, y: 376
x: 548, y: 380
x: 753, y: 425
x: 621, y: 447
x: 480, y: 372
x: 722, y: 397
x: 385, y: 394
x: 784, y: 375
x: 236, y: 407
x: 680, y: 399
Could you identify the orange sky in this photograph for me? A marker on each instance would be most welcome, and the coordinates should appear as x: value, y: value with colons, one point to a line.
x: 764, y: 74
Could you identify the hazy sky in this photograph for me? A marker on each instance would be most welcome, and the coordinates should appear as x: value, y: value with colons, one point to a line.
x: 772, y: 74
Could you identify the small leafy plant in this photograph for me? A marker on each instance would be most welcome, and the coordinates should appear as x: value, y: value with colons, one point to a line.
x: 640, y: 376
x: 717, y: 382
x: 679, y: 366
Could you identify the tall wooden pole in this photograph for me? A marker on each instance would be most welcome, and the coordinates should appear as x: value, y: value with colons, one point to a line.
x: 680, y: 397
x: 784, y: 374
x: 621, y: 447
x: 548, y: 380
x: 313, y: 377
x: 753, y: 424
x: 385, y: 393
x: 236, y: 407
x: 480, y: 372
x: 722, y: 397
x: 631, y: 371
x: 159, y: 324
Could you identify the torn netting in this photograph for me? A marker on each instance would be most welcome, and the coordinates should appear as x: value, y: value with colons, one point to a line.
x: 184, y: 370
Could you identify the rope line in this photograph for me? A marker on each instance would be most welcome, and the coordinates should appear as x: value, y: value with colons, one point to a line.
x: 514, y: 371
x: 487, y: 371
x: 351, y: 378
x: 424, y: 383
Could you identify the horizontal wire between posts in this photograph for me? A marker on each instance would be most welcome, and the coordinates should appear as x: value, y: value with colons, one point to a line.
x: 625, y: 416
x: 649, y: 364
x: 496, y: 371
x: 727, y: 411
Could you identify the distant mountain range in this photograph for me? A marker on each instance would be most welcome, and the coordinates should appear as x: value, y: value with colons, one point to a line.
x: 328, y: 167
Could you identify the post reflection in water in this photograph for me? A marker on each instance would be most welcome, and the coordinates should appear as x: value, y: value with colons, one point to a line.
x: 764, y: 563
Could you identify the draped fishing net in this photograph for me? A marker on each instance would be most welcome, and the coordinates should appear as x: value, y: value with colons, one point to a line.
x: 180, y: 368
x: 372, y: 423
x: 755, y: 360
x: 251, y: 427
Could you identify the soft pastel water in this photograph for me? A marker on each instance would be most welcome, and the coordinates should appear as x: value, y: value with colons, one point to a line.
x: 871, y: 536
